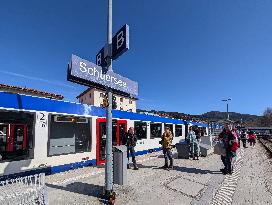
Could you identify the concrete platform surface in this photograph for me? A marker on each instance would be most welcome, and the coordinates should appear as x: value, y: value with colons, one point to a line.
x: 190, y: 182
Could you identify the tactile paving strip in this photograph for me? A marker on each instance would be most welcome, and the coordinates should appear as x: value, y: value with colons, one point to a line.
x: 226, y: 191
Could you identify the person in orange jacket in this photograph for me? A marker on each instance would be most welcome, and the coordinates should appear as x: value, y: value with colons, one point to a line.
x: 167, y: 148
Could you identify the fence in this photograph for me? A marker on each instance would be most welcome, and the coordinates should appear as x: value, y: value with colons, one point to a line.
x: 24, y: 191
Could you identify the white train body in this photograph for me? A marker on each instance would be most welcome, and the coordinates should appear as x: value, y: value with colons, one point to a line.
x: 44, y: 135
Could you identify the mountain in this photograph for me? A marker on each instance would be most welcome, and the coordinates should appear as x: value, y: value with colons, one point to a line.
x: 247, y: 119
x: 234, y: 116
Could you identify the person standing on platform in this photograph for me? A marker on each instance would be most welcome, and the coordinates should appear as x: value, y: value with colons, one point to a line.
x: 230, y: 145
x: 202, y: 132
x: 236, y: 135
x: 252, y: 138
x: 130, y: 141
x: 244, y: 138
x: 199, y: 134
x: 194, y: 148
x: 167, y: 138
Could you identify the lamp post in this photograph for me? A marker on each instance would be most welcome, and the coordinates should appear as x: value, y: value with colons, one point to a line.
x: 227, y: 101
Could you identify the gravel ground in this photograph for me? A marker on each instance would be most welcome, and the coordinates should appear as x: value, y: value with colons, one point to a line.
x: 190, y: 182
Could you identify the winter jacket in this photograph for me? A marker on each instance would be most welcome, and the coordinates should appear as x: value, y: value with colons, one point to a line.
x: 230, y: 142
x: 251, y: 136
x: 130, y: 140
x: 167, y: 140
x: 191, y: 137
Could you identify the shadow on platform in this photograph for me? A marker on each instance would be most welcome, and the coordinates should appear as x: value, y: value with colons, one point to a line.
x: 144, y: 166
x: 82, y: 188
x: 195, y: 170
x: 192, y: 170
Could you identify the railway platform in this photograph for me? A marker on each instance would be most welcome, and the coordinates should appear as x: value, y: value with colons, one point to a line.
x: 190, y: 182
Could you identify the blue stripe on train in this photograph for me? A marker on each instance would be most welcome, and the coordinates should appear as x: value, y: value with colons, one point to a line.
x: 71, y: 166
x: 17, y: 101
x: 51, y: 170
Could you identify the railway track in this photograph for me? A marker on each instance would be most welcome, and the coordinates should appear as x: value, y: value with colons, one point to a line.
x: 267, y: 143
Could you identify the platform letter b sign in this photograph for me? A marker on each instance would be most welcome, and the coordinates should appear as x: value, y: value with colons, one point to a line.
x: 98, y: 59
x: 120, y: 39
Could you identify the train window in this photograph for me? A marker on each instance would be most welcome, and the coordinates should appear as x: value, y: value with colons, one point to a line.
x: 178, y: 130
x: 140, y: 129
x: 72, y: 135
x: 16, y: 136
x: 70, y: 119
x: 155, y: 130
x: 170, y: 126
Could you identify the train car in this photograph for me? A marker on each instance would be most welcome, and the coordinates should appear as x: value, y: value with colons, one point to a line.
x: 45, y: 135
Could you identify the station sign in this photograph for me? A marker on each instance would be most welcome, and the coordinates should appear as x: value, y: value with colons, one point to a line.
x: 87, y: 73
x: 120, y: 44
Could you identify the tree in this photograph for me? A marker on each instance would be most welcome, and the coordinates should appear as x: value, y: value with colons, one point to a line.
x: 268, y: 112
x: 267, y: 117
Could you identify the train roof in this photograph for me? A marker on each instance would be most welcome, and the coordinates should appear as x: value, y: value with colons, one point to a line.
x: 12, y: 101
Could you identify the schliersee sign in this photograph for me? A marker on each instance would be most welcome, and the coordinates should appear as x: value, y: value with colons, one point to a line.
x: 87, y: 73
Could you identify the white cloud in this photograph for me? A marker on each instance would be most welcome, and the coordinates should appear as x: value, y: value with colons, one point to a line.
x: 56, y: 83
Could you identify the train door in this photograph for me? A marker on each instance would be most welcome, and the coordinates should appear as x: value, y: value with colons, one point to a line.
x: 12, y: 139
x: 119, y: 128
x: 19, y: 137
x: 4, y: 136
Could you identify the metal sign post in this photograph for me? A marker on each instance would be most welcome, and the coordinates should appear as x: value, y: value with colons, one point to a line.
x: 102, y: 76
x: 109, y: 158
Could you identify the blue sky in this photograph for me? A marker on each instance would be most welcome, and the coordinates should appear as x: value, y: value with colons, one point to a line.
x: 186, y: 55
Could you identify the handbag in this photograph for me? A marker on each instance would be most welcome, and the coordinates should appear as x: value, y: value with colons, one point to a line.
x: 220, y: 149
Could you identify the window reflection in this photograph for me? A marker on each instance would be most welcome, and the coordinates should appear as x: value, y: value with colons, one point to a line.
x: 178, y: 130
x: 140, y: 129
x: 155, y: 130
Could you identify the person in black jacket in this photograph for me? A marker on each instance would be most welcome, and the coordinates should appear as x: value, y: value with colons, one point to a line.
x: 228, y: 139
x: 244, y: 138
x: 130, y: 141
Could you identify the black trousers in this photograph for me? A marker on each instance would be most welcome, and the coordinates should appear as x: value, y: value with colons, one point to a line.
x: 244, y: 142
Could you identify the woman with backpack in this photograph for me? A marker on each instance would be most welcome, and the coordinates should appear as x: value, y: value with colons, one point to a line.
x: 231, y: 146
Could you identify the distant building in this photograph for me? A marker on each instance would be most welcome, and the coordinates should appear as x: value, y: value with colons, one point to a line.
x: 94, y: 96
x: 29, y: 91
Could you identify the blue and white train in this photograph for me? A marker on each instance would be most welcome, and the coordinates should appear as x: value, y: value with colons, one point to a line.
x: 44, y: 135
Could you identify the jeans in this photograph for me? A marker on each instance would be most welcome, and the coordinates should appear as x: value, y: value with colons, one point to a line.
x: 132, y: 153
x: 168, y: 155
x: 195, y: 149
x: 227, y: 161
